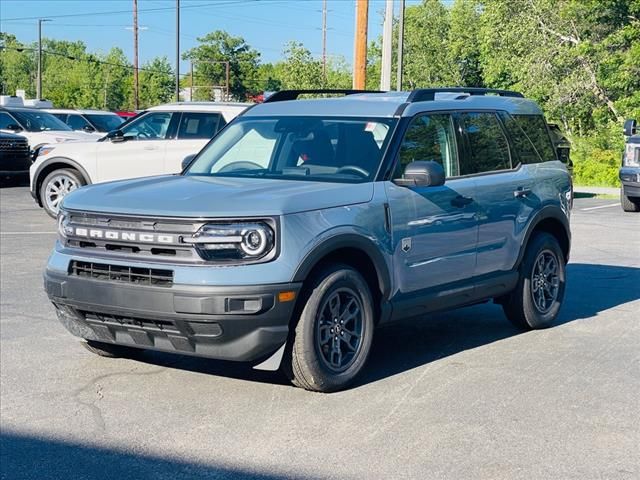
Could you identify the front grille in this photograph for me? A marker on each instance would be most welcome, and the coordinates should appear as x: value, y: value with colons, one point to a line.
x: 126, y: 321
x: 14, y: 146
x: 119, y: 273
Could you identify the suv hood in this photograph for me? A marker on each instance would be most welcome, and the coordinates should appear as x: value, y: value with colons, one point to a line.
x: 193, y: 196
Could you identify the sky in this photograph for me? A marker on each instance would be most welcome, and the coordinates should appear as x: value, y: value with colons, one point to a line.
x: 266, y: 25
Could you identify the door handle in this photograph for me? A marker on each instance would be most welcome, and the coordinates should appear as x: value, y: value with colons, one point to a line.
x: 461, y: 201
x: 150, y: 147
x: 521, y: 192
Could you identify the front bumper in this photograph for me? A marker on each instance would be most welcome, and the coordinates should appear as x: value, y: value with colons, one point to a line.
x: 245, y: 323
x: 630, y: 179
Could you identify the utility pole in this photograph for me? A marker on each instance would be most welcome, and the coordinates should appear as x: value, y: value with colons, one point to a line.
x: 39, y: 84
x: 324, y: 41
x: 387, y: 47
x: 360, y: 53
x: 177, y: 50
x: 400, y: 45
x: 135, y: 55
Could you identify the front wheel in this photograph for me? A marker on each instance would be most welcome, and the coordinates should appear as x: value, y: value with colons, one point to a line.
x: 56, y: 185
x: 332, y: 339
x: 537, y: 298
x: 629, y: 204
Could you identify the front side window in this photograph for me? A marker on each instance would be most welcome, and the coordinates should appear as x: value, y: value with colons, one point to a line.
x: 39, y: 121
x: 488, y: 149
x: 297, y: 148
x: 198, y: 125
x: 430, y: 138
x: 76, y: 122
x: 152, y: 126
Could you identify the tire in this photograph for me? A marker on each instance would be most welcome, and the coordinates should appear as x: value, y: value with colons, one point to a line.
x: 312, y: 360
x: 536, y: 300
x: 629, y: 204
x: 110, y: 350
x: 56, y: 185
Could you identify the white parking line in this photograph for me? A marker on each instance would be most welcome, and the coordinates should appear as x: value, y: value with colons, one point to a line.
x: 27, y: 233
x: 601, y: 206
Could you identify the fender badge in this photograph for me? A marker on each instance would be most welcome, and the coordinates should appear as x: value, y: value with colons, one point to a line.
x: 406, y: 244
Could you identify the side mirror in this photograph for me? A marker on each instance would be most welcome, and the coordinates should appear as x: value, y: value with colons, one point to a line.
x: 14, y: 128
x: 88, y: 128
x: 116, y: 136
x: 630, y: 128
x: 187, y: 160
x: 422, y: 174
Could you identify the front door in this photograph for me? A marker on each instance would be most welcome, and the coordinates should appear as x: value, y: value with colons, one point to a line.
x: 142, y: 153
x: 434, y: 229
x: 195, y: 129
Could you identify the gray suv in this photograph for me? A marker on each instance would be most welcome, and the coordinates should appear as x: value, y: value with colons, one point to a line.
x: 630, y: 169
x: 307, y: 223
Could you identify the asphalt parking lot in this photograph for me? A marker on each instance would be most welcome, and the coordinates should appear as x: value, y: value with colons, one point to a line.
x: 458, y: 395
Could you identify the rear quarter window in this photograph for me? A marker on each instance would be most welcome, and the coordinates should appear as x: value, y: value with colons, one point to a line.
x: 535, y: 128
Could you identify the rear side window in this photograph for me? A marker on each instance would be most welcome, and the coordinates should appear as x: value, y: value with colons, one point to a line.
x: 76, y: 122
x: 535, y: 127
x: 523, y: 147
x: 198, y: 125
x: 487, y: 145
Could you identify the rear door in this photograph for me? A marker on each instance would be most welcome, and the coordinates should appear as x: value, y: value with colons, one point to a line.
x: 504, y: 190
x: 434, y: 229
x: 194, y: 130
x: 142, y: 153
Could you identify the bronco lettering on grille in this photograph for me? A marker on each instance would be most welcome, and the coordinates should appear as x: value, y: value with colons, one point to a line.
x: 125, y: 236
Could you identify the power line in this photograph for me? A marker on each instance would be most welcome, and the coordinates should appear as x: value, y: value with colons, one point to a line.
x: 120, y: 12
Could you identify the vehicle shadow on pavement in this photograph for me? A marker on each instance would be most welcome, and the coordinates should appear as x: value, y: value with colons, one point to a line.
x: 30, y: 457
x: 591, y: 289
x: 412, y: 343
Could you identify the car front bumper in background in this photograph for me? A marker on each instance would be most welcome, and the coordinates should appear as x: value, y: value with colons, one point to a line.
x: 245, y: 323
x: 630, y: 178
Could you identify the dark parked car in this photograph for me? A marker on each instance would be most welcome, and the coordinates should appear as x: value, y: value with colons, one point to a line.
x: 15, y: 156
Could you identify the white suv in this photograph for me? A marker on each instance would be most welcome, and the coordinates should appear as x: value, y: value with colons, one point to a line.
x: 153, y: 143
x: 38, y: 127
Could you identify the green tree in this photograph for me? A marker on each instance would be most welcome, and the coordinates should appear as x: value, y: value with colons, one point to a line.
x: 17, y: 66
x: 299, y: 70
x: 157, y: 83
x: 219, y: 46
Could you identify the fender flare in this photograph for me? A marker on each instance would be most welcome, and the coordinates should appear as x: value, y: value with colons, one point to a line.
x: 347, y: 240
x: 548, y: 212
x: 71, y: 163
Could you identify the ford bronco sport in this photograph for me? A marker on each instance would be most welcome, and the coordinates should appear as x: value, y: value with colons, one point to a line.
x: 307, y: 223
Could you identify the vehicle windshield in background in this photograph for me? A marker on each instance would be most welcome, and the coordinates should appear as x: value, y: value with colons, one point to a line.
x: 104, y: 123
x: 297, y: 148
x: 39, y: 121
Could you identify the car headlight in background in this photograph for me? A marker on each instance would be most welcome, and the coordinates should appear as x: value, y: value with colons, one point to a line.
x: 632, y: 156
x: 235, y: 241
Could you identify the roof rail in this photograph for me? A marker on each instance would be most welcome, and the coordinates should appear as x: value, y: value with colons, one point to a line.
x: 429, y: 94
x: 283, y: 95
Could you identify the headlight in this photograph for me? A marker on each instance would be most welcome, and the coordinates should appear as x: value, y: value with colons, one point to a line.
x: 237, y: 241
x: 64, y: 230
x: 42, y: 151
x: 632, y: 156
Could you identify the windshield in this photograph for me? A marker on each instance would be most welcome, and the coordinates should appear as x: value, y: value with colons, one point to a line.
x: 297, y: 148
x: 39, y: 121
x: 104, y: 122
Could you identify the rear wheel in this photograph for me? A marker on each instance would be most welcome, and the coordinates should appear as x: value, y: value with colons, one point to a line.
x: 629, y: 204
x: 110, y: 350
x: 537, y: 298
x: 56, y: 185
x: 332, y: 339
